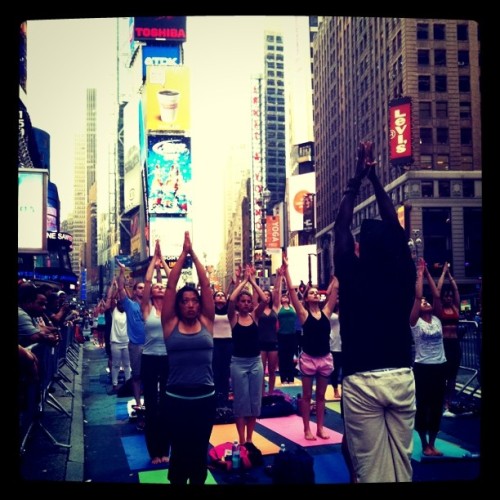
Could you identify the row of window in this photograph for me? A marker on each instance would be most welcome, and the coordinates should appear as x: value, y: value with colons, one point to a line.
x: 424, y: 57
x: 441, y: 83
x: 442, y: 162
x: 442, y: 135
x: 439, y: 31
x: 441, y: 109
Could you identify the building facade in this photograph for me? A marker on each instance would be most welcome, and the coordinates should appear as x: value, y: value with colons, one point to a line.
x: 361, y: 65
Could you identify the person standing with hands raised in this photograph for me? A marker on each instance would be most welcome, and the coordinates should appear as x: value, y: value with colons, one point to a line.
x: 376, y: 296
x: 187, y: 318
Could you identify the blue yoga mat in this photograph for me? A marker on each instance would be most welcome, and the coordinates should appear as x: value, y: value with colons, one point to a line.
x: 330, y: 468
x: 137, y: 453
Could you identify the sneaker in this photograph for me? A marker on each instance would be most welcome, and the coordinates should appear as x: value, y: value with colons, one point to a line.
x: 449, y: 414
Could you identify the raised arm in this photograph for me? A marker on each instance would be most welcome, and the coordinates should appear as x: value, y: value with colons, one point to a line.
x: 294, y: 299
x: 344, y: 240
x: 231, y: 300
x: 384, y: 202
x: 437, y: 305
x: 207, y: 299
x: 419, y: 290
x: 257, y: 291
x: 148, y: 278
x: 332, y: 293
x: 122, y: 293
x: 168, y: 316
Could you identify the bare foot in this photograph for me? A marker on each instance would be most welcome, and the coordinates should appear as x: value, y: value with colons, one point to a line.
x: 336, y: 395
x: 165, y: 460
x: 436, y: 453
x: 428, y: 451
x: 156, y: 460
x: 309, y: 436
x: 322, y: 434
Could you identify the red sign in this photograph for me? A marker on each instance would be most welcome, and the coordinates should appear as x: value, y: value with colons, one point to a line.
x: 160, y: 28
x: 400, y: 146
x: 273, y: 232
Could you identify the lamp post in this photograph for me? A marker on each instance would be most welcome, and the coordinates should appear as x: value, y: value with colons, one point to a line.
x: 309, y: 267
x: 415, y: 242
x: 266, y: 197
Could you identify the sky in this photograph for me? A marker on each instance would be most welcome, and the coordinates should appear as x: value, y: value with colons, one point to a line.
x: 66, y: 56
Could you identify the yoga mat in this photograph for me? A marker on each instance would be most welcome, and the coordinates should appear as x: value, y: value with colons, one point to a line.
x: 292, y: 428
x: 227, y: 432
x: 296, y: 383
x: 334, y: 406
x: 160, y: 477
x: 449, y: 450
x: 330, y: 468
x: 137, y: 452
x: 329, y: 393
x: 121, y: 410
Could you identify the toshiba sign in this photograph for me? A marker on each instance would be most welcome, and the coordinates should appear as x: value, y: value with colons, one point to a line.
x: 400, y: 145
x: 161, y: 28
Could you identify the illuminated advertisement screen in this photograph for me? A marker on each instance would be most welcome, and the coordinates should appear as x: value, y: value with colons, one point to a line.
x: 160, y: 55
x: 400, y: 146
x: 169, y: 176
x: 32, y: 211
x: 299, y: 186
x: 167, y: 98
x: 160, y: 28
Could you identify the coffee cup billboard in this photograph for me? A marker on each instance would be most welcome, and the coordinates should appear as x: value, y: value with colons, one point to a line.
x: 167, y: 98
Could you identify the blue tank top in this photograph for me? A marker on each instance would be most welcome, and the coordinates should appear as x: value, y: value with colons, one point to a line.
x: 316, y: 335
x: 190, y: 358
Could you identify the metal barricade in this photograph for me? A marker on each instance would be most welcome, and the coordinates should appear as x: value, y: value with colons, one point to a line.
x: 469, y: 388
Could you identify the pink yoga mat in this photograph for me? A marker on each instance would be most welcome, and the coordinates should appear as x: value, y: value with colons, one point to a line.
x: 292, y: 428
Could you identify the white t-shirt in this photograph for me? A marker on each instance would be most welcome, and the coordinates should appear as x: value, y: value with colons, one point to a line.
x: 119, y: 327
x: 428, y: 339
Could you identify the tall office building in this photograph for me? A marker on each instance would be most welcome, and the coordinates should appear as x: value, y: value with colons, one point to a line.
x: 274, y: 116
x: 364, y: 68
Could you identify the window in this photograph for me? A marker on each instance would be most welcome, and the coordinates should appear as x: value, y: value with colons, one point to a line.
x: 426, y: 161
x: 464, y: 83
x: 466, y: 136
x: 465, y: 111
x: 440, y: 83
x: 422, y: 31
x: 442, y: 109
x: 424, y: 83
x: 468, y: 188
x: 423, y: 57
x: 462, y: 32
x: 437, y: 237
x: 473, y: 241
x: 425, y: 110
x: 425, y: 136
x: 442, y: 135
x: 467, y: 163
x: 440, y: 57
x: 463, y: 58
x: 444, y: 189
x: 443, y: 162
x: 427, y: 189
x: 439, y: 32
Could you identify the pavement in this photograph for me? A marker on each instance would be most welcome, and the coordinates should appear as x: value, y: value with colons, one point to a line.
x: 92, y: 442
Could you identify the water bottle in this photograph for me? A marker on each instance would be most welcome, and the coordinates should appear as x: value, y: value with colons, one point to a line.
x: 235, y: 458
x: 282, y: 448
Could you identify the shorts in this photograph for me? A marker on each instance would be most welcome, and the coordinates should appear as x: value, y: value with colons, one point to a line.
x: 310, y: 366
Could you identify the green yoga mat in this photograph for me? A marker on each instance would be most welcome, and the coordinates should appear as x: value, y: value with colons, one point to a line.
x: 160, y: 477
x: 449, y: 450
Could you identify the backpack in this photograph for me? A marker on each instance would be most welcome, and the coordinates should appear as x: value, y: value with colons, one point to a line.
x: 293, y: 467
x: 219, y: 457
x: 276, y: 404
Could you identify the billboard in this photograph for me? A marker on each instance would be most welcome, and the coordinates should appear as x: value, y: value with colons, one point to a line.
x: 170, y: 232
x: 167, y: 98
x: 160, y: 29
x: 32, y: 210
x: 160, y: 55
x: 169, y: 176
x: 273, y: 234
x: 298, y: 187
x: 400, y: 145
x: 302, y: 262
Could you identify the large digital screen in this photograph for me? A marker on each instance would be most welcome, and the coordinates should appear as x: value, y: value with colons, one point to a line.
x: 169, y: 176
